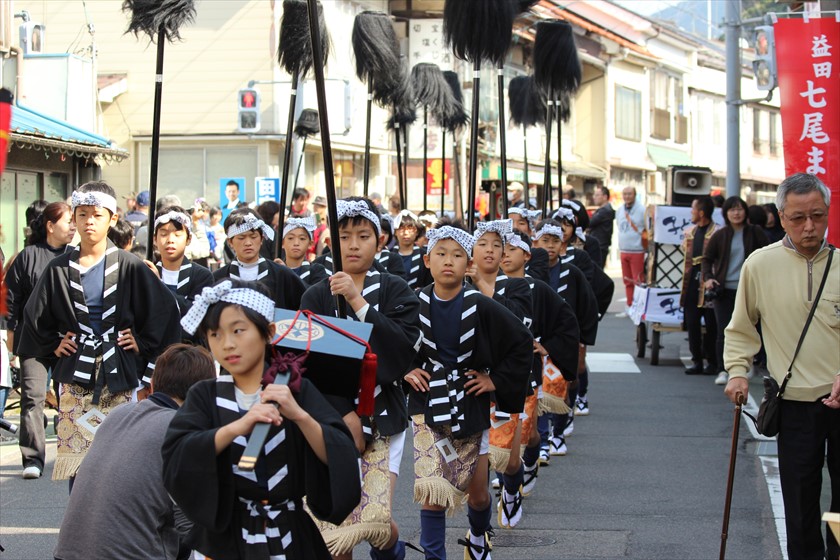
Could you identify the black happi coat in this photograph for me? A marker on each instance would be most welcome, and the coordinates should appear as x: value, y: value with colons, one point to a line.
x: 392, y: 263
x: 492, y: 339
x: 556, y: 328
x: 418, y: 275
x: 394, y: 313
x: 311, y: 273
x: 602, y: 285
x: 327, y: 262
x: 578, y: 293
x: 209, y: 489
x: 192, y: 278
x: 285, y: 286
x: 143, y: 304
x: 537, y: 266
x: 515, y: 294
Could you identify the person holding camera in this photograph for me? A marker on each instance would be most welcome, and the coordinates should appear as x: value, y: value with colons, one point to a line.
x: 698, y: 307
x: 723, y: 258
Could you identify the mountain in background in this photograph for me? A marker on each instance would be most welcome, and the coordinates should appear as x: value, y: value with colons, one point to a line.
x: 692, y: 16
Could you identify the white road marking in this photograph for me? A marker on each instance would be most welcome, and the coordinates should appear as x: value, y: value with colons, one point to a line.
x: 610, y: 362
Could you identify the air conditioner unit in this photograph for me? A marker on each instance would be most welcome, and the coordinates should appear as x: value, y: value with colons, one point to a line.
x: 32, y: 37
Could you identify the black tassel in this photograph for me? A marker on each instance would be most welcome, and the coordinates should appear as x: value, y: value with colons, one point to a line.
x: 377, y: 53
x: 308, y: 124
x: 294, y: 51
x: 457, y: 118
x: 556, y: 65
x: 479, y: 30
x: 404, y: 109
x: 431, y: 90
x: 564, y: 102
x: 148, y: 16
x: 527, y: 108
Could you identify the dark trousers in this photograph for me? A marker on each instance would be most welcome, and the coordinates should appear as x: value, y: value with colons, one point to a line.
x: 33, y: 391
x: 724, y: 306
x: 806, y: 428
x: 700, y: 346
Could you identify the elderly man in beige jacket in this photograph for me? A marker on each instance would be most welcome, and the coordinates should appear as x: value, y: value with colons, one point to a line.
x: 778, y: 286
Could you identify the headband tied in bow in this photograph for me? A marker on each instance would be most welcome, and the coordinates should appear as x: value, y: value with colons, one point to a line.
x: 224, y: 291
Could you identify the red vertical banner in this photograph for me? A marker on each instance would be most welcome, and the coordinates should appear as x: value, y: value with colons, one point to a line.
x: 808, y: 66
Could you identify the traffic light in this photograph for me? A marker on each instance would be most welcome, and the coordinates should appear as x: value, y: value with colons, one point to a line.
x: 764, y: 65
x: 249, y: 110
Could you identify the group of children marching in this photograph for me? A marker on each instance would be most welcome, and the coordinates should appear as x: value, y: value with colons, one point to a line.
x: 480, y: 341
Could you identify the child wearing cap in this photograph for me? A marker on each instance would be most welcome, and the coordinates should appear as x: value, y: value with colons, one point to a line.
x: 245, y: 233
x: 472, y: 347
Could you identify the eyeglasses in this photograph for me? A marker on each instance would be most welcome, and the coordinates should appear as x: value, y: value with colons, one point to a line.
x: 800, y: 219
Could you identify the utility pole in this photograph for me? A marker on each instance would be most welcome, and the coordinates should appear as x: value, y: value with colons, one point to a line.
x: 733, y: 98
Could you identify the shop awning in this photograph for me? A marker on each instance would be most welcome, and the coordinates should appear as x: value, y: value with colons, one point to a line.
x: 29, y: 128
x: 664, y: 157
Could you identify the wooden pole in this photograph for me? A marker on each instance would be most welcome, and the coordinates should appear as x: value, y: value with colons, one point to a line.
x: 153, y: 167
x: 287, y: 160
x: 503, y: 140
x: 473, y: 168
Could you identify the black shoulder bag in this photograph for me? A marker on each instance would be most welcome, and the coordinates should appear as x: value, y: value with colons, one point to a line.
x: 768, y: 421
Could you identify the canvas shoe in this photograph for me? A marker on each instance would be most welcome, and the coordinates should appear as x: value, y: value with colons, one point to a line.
x: 30, y: 473
x: 722, y: 378
x: 558, y: 445
x: 474, y: 551
x: 581, y: 407
x: 510, y: 510
x: 530, y: 480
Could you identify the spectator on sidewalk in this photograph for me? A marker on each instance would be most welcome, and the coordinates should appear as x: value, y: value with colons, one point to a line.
x: 121, y: 476
x: 140, y: 215
x: 601, y: 223
x: 631, y: 224
x: 698, y: 310
x: 778, y: 286
x: 773, y: 229
x: 722, y: 261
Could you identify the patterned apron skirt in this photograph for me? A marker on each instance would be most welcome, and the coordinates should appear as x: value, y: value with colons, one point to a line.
x: 503, y: 430
x: 371, y: 520
x: 443, y: 465
x: 555, y: 389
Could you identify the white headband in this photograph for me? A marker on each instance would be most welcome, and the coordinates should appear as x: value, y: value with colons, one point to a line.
x: 565, y: 213
x: 549, y: 229
x: 579, y: 233
x: 402, y: 215
x: 514, y: 240
x: 572, y: 204
x: 307, y: 223
x: 173, y: 216
x: 502, y: 227
x: 353, y: 208
x: 251, y: 223
x: 460, y: 236
x: 428, y: 220
x: 531, y: 215
x: 224, y: 291
x: 94, y: 198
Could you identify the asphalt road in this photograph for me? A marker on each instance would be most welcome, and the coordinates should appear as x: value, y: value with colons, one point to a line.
x: 645, y: 476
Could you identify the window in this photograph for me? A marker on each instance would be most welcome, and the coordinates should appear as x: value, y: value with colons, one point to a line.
x: 774, y: 139
x: 757, y: 131
x: 668, y: 120
x: 628, y: 113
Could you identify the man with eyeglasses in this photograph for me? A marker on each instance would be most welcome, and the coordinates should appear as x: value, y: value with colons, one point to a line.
x: 778, y: 286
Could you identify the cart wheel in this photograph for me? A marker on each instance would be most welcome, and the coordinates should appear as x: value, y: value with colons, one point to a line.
x: 654, y: 348
x: 641, y: 340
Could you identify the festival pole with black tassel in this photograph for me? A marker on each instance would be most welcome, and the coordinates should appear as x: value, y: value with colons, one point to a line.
x: 526, y: 110
x: 403, y: 114
x: 294, y: 53
x: 307, y: 125
x: 434, y: 94
x: 477, y: 31
x: 161, y: 21
x: 453, y: 122
x: 557, y: 73
x: 377, y: 52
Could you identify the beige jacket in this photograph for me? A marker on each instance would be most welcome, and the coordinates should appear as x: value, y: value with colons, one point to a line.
x: 777, y: 286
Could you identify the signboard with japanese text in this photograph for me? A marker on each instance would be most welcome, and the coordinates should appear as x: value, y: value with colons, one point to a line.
x: 808, y: 66
x: 656, y: 305
x: 426, y: 44
x: 267, y: 188
x: 670, y: 223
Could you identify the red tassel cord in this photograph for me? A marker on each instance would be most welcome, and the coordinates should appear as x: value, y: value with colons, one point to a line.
x: 367, y: 384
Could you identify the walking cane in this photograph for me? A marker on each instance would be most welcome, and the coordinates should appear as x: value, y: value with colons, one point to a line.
x: 733, y: 453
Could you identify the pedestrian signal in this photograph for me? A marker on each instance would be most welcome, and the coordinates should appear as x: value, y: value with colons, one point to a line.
x: 249, y: 110
x: 764, y: 65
